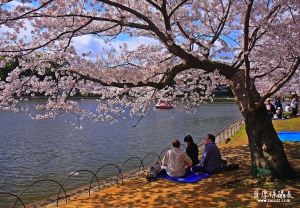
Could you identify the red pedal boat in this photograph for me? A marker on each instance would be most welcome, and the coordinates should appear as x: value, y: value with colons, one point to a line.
x: 164, y: 105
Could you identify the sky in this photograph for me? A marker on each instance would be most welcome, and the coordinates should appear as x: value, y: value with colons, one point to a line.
x: 86, y: 43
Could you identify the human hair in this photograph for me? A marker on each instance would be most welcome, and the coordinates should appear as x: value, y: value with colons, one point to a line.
x: 176, y: 143
x: 211, y: 137
x: 188, y: 138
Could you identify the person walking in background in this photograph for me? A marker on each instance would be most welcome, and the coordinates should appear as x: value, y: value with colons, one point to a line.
x: 176, y: 161
x: 192, y: 149
x: 294, y: 105
x: 211, y: 158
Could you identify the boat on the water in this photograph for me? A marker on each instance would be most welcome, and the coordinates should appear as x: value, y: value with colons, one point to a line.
x: 164, y: 105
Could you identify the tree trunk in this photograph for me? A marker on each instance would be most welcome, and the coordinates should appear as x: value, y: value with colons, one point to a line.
x: 267, y: 152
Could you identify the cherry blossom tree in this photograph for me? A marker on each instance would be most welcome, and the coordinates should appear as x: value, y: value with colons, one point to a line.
x: 250, y: 45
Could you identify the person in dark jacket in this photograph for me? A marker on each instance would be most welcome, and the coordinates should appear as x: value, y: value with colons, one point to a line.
x: 211, y: 158
x: 192, y: 149
x: 277, y: 102
x: 278, y: 106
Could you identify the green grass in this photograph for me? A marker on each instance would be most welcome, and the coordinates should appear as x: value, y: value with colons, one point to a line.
x: 292, y: 124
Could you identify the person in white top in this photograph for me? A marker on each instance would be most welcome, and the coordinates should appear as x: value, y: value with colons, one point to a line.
x: 287, y: 108
x: 278, y: 113
x: 176, y: 161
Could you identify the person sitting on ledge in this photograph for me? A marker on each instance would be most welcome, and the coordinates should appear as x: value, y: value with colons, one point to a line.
x: 176, y: 161
x: 211, y: 158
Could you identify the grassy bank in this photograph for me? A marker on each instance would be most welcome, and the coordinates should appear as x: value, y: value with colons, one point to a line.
x: 226, y: 189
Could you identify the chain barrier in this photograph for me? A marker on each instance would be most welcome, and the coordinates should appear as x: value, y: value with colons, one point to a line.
x: 224, y: 134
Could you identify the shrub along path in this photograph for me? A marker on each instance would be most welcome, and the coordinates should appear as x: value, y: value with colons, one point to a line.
x: 226, y: 189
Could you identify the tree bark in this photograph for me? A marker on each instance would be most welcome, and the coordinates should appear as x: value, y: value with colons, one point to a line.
x: 267, y: 151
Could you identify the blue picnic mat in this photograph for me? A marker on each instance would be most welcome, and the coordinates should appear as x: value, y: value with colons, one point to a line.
x: 289, y: 136
x: 189, y: 177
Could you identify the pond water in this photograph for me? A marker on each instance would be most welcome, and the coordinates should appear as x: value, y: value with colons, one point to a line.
x: 31, y: 150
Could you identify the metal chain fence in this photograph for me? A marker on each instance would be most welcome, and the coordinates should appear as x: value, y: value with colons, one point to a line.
x: 224, y: 134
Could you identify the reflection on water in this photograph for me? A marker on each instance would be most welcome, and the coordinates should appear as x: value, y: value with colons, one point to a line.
x: 31, y: 150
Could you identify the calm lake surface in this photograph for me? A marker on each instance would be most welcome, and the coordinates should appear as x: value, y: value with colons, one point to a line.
x: 32, y: 150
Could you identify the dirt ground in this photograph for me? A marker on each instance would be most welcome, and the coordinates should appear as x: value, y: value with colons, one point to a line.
x: 234, y: 188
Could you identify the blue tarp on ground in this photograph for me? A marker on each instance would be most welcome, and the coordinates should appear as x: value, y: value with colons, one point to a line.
x: 189, y: 177
x: 289, y: 136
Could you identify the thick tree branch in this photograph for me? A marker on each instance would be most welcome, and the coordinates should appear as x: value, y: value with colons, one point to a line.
x: 246, y: 54
x: 222, y: 23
